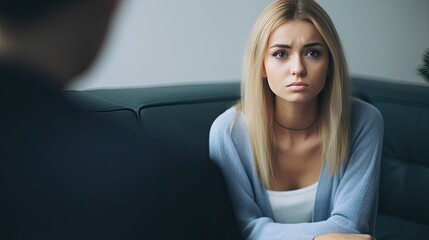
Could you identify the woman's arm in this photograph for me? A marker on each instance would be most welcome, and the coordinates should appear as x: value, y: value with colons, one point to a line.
x: 342, y: 236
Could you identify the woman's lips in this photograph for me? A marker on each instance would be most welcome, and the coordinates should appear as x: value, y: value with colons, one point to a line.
x: 297, y: 86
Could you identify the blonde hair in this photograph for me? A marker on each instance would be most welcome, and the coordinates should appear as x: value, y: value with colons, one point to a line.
x: 257, y: 100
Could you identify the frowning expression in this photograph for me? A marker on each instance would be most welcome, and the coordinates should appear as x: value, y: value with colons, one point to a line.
x: 296, y: 62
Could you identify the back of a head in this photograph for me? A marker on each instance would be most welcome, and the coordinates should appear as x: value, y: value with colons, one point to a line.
x: 58, y: 37
x: 20, y: 11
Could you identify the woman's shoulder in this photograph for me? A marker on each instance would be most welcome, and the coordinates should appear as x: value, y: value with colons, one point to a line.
x: 226, y: 117
x: 227, y: 139
x: 228, y: 120
x: 364, y: 115
x: 360, y: 107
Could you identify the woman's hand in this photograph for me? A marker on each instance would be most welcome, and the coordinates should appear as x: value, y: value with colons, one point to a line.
x: 343, y: 236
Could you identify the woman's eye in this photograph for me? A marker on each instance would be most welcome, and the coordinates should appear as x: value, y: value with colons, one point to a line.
x: 313, y: 53
x: 280, y: 54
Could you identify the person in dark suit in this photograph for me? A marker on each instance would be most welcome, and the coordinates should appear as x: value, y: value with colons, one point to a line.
x: 65, y: 175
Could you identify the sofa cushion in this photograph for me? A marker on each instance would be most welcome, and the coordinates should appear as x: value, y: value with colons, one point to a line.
x: 404, y: 175
x: 391, y: 228
x: 405, y: 168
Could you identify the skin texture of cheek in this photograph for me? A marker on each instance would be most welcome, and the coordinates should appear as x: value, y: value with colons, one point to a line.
x: 319, y: 80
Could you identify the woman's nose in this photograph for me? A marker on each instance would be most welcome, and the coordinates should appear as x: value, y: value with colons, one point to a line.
x: 297, y: 67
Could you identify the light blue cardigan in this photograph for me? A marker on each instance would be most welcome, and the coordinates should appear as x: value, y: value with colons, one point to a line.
x: 345, y: 203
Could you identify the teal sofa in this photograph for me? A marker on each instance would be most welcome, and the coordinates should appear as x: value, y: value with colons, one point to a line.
x: 184, y: 113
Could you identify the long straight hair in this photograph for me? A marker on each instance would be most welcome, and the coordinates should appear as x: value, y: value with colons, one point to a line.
x: 257, y: 100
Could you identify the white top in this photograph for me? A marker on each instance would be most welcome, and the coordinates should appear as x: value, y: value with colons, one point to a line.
x: 295, y: 206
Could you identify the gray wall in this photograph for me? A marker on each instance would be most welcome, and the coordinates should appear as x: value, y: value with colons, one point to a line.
x: 159, y: 42
x: 382, y: 38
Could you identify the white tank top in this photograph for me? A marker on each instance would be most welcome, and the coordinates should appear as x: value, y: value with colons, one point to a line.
x: 295, y: 206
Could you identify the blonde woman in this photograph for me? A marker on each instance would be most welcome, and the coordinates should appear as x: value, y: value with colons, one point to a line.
x: 301, y: 157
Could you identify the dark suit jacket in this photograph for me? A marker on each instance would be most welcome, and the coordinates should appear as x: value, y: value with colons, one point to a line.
x: 65, y: 175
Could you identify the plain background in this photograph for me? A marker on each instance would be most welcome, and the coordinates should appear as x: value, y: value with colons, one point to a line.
x: 155, y: 42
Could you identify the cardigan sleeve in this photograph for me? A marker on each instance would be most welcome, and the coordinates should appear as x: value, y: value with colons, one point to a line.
x: 353, y: 197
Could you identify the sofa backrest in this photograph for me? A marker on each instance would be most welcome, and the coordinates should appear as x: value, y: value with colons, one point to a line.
x: 103, y: 108
x: 180, y: 115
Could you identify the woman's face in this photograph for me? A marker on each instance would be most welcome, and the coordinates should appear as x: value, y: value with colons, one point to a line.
x: 296, y: 62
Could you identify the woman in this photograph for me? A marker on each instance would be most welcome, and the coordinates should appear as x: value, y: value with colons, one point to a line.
x: 300, y: 157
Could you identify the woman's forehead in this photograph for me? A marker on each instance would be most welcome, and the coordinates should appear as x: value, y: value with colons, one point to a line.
x: 295, y: 32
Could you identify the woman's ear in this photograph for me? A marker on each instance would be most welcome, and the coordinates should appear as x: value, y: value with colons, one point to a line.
x: 264, y: 73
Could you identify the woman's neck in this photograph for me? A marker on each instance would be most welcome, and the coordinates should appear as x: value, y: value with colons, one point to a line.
x: 296, y: 117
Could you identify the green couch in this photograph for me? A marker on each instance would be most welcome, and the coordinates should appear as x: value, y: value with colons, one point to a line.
x: 184, y: 113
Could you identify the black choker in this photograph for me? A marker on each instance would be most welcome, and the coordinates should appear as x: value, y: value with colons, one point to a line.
x: 298, y: 129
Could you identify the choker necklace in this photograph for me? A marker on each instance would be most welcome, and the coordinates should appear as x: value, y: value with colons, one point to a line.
x: 298, y: 129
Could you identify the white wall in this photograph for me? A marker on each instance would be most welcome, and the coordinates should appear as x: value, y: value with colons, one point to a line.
x: 156, y: 42
x: 383, y: 38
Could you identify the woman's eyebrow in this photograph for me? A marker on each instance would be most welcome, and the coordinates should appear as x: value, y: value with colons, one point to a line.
x: 308, y: 45
x: 280, y: 46
x: 314, y: 44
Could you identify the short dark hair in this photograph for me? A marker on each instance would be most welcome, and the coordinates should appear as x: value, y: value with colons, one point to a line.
x: 23, y: 10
